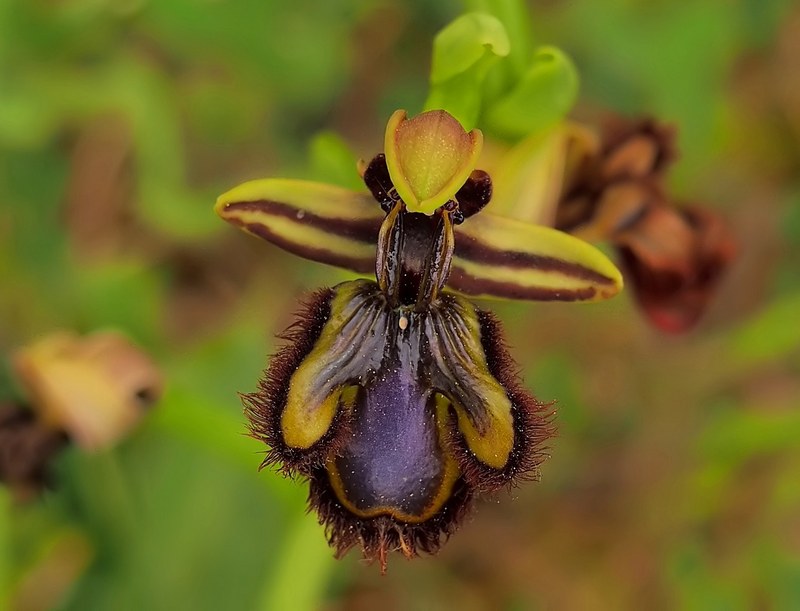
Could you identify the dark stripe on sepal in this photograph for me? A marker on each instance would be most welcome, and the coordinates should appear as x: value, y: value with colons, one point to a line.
x: 468, y: 284
x: 363, y: 265
x: 360, y: 230
x: 470, y: 249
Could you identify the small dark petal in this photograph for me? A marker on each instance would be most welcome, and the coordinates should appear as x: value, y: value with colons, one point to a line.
x: 264, y: 407
x: 376, y: 177
x: 473, y: 196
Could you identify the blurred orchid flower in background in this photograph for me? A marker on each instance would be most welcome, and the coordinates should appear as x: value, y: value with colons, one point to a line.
x: 91, y: 391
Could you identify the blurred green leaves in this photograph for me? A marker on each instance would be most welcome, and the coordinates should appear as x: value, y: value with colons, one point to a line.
x: 541, y: 98
x: 225, y: 67
x: 5, y: 540
x: 479, y: 77
x: 331, y: 160
x: 772, y: 334
x: 190, y: 85
x: 463, y: 52
x: 465, y: 44
x: 304, y: 553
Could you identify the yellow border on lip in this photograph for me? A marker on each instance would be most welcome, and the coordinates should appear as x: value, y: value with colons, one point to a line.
x: 450, y: 475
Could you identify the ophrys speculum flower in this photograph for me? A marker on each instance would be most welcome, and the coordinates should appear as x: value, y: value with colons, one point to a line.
x: 396, y: 398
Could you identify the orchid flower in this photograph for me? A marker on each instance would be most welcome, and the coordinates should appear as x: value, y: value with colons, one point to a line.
x: 397, y: 397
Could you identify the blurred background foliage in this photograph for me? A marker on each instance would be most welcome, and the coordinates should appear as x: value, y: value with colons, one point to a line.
x: 673, y: 482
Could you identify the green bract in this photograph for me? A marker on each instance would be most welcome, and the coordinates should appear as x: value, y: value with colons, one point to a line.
x: 463, y: 53
x: 543, y: 96
x: 480, y: 71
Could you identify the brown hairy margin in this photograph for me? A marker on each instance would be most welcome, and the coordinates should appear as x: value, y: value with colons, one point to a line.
x: 533, y: 419
x: 264, y: 407
x: 381, y: 535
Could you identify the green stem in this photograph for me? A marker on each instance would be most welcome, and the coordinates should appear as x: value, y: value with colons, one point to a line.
x: 306, y: 564
x: 5, y: 532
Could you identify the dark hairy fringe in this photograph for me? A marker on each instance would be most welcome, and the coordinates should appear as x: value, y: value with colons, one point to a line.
x: 533, y: 420
x: 381, y: 535
x: 264, y: 407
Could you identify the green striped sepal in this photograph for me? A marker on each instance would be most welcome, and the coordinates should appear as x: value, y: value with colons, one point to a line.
x: 495, y: 257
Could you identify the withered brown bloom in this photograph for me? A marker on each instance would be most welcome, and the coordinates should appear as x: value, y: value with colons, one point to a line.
x: 88, y: 390
x: 673, y: 254
x: 396, y: 398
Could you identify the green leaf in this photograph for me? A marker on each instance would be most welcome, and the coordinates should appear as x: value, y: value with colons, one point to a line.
x: 771, y: 335
x: 528, y: 181
x: 543, y: 96
x: 463, y: 43
x: 306, y: 566
x: 743, y: 434
x: 191, y: 417
x: 25, y: 120
x: 5, y: 537
x: 333, y: 161
x: 125, y: 294
x: 463, y: 52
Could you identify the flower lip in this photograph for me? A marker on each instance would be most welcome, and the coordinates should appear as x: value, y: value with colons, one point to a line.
x: 396, y: 461
x: 396, y: 399
x: 437, y: 417
x: 429, y: 157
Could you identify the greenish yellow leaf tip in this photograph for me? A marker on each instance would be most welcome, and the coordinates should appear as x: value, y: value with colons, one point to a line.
x: 429, y: 157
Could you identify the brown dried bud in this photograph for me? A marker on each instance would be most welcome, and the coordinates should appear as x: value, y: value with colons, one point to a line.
x: 640, y: 148
x: 93, y: 388
x: 675, y: 259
